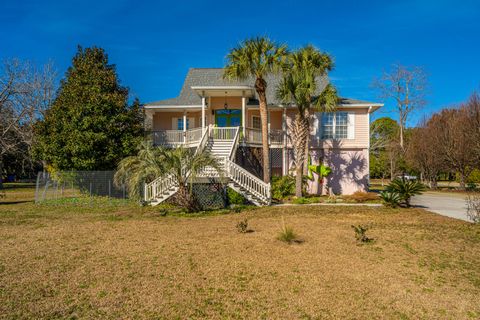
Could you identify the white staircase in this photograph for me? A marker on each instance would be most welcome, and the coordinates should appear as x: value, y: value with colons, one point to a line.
x: 222, y: 144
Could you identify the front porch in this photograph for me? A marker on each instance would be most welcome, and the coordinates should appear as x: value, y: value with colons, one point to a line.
x: 184, y: 125
x: 192, y: 137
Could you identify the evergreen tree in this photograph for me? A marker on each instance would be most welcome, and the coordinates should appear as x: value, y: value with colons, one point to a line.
x: 90, y: 125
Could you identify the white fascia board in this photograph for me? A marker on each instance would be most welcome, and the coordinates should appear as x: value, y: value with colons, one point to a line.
x: 221, y: 87
x: 151, y: 106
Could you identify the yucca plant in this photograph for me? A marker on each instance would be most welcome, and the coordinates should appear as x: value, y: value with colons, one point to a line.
x: 406, y: 189
x: 390, y: 199
x: 287, y: 234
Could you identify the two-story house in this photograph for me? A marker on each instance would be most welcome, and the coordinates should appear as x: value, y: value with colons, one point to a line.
x: 222, y: 116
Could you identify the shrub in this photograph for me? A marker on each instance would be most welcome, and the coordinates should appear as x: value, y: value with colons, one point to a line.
x: 242, y: 226
x: 473, y: 207
x: 233, y: 197
x: 390, y: 199
x: 331, y: 199
x: 360, y: 196
x: 301, y: 200
x: 283, y: 187
x: 287, y: 234
x: 471, y: 186
x: 406, y: 189
x: 361, y: 233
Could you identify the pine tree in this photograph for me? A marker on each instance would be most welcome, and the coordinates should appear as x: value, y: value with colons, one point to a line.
x: 90, y: 125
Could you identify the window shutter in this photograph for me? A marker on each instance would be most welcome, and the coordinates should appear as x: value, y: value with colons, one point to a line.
x: 351, y: 125
x: 174, y: 123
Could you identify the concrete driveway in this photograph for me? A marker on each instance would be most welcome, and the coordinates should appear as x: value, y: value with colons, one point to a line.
x: 447, y: 204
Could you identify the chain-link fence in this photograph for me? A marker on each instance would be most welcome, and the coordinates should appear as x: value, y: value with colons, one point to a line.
x: 71, y: 185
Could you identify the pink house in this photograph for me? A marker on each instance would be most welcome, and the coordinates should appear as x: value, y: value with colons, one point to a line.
x: 223, y: 117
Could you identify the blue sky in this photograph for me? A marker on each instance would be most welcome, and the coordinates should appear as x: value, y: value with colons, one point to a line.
x: 154, y: 43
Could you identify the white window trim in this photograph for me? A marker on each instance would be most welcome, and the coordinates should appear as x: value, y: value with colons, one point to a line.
x: 251, y: 120
x: 350, y: 125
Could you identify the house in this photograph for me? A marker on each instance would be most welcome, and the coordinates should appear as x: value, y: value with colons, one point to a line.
x: 222, y: 116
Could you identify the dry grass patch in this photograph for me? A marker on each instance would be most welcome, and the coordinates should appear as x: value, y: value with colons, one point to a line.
x: 63, y: 262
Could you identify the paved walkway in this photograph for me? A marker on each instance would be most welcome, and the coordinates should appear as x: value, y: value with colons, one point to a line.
x: 450, y: 205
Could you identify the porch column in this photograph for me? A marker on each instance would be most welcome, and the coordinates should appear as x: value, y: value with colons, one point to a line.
x: 185, y: 126
x: 285, y: 150
x: 244, y: 100
x: 268, y: 123
x: 203, y: 113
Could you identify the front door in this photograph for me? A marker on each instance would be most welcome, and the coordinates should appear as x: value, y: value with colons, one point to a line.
x: 228, y: 118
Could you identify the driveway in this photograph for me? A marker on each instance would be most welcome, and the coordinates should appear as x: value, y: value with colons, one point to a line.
x: 447, y: 204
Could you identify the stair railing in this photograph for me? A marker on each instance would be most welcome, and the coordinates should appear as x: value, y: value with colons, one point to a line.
x: 159, y: 186
x: 248, y: 181
x: 233, y: 150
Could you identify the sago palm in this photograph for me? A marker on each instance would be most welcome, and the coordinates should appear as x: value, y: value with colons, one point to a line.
x: 257, y: 58
x: 406, y: 189
x: 300, y: 87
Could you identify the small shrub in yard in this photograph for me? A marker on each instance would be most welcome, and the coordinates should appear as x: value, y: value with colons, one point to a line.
x: 242, y: 226
x: 283, y: 187
x: 331, y: 199
x: 406, y: 189
x: 390, y: 199
x: 287, y: 234
x: 361, y: 233
x: 235, y: 198
x: 473, y: 207
x: 360, y: 196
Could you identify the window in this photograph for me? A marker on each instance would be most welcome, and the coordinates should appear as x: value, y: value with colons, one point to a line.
x: 335, y: 125
x: 256, y: 122
x: 179, y: 123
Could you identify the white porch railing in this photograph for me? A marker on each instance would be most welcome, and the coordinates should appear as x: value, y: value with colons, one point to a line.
x: 223, y: 133
x: 255, y: 136
x: 177, y: 137
x: 168, y: 137
x: 193, y: 135
x: 248, y: 181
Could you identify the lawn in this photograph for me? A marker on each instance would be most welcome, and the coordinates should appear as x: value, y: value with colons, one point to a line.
x: 115, y: 260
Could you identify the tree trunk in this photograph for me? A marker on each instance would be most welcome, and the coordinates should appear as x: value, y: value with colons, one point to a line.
x: 401, y: 138
x: 1, y: 172
x: 462, y: 181
x: 298, y: 181
x: 306, y: 124
x: 261, y: 86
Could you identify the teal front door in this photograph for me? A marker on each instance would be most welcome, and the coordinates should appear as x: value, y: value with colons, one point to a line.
x: 228, y: 118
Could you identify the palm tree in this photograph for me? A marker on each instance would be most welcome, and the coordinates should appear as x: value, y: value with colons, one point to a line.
x: 152, y: 162
x: 299, y: 87
x: 257, y: 58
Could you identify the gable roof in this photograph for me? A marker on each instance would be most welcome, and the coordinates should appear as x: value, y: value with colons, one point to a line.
x: 213, y: 77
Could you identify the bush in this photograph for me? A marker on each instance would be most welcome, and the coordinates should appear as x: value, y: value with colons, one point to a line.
x: 473, y: 207
x: 301, y: 200
x: 360, y: 196
x: 242, y: 226
x: 287, y: 234
x: 361, y: 233
x: 283, y: 187
x: 233, y: 197
x: 390, y: 199
x: 406, y: 189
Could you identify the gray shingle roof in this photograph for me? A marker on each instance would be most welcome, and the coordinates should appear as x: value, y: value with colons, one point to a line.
x: 214, y: 77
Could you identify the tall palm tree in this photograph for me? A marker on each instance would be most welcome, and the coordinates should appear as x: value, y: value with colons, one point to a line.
x: 300, y: 87
x: 152, y: 162
x: 256, y: 58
